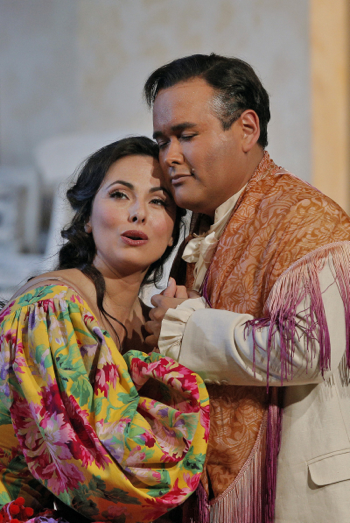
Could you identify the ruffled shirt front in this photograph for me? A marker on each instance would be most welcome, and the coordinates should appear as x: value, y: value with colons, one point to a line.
x: 200, y: 250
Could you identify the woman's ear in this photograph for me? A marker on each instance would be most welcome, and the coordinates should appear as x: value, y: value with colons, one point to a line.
x: 250, y: 129
x: 171, y: 242
x: 88, y: 228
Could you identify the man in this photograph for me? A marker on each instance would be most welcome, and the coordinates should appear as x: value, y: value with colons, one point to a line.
x: 271, y: 257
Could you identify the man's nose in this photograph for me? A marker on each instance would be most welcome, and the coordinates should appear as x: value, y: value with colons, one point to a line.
x: 173, y: 155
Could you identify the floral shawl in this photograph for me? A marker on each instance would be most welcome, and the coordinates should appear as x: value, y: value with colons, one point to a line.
x: 73, y: 424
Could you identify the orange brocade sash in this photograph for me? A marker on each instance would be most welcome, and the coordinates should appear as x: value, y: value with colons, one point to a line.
x: 277, y: 220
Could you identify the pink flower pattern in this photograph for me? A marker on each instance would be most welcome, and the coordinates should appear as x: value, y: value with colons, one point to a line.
x: 69, y: 400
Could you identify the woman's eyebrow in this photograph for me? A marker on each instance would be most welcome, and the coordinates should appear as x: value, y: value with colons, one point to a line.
x: 127, y: 184
x: 132, y: 187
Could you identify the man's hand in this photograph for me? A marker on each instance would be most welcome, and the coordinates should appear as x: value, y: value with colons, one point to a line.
x: 170, y: 298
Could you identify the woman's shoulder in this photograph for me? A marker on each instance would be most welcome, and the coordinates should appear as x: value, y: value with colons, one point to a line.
x: 68, y: 284
x: 70, y: 278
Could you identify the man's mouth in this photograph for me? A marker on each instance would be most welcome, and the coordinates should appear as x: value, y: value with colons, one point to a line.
x: 134, y: 237
x: 178, y: 178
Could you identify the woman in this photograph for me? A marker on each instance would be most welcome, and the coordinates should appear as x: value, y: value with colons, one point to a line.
x: 73, y: 425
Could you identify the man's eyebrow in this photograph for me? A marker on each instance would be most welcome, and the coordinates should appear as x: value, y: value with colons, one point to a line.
x: 127, y: 184
x: 175, y: 129
x: 183, y: 126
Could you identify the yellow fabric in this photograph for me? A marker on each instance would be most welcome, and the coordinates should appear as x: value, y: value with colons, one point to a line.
x: 73, y: 423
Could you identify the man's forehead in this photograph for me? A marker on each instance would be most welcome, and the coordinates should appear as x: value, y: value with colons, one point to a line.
x: 183, y: 91
x: 175, y: 105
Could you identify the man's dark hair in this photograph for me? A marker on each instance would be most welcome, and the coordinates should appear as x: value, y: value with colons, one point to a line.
x: 237, y: 85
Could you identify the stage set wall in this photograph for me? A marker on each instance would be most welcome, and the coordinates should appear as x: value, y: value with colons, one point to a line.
x: 79, y: 66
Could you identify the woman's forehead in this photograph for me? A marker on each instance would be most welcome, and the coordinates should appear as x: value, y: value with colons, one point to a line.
x: 136, y: 169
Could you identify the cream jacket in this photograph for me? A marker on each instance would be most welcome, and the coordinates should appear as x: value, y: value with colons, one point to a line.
x: 313, y: 478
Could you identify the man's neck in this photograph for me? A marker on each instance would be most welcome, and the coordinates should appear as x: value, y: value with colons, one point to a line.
x: 253, y: 159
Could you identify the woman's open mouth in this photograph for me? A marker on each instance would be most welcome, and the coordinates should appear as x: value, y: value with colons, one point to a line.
x: 134, y: 238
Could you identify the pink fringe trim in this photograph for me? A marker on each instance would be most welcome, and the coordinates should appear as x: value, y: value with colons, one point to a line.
x: 243, y: 500
x: 196, y: 509
x: 300, y: 282
x: 203, y: 505
x: 273, y: 441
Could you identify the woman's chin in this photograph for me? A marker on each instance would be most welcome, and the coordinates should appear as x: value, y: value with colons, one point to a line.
x: 121, y: 270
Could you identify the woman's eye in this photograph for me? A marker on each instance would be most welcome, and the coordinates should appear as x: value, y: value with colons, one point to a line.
x: 119, y: 195
x: 159, y: 201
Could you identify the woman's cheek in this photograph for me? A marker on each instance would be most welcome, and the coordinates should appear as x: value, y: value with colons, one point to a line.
x: 164, y: 228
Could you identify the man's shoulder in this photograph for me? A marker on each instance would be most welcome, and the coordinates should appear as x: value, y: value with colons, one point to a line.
x: 288, y: 190
x: 279, y: 199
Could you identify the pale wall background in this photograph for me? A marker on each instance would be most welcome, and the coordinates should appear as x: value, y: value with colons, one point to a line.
x: 79, y: 65
x: 73, y: 67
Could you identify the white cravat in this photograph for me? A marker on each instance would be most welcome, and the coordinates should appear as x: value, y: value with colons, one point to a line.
x: 201, y: 248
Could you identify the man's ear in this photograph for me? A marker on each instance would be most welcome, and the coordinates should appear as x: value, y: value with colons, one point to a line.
x: 250, y: 128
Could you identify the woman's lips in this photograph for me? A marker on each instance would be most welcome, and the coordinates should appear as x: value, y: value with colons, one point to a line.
x: 134, y: 238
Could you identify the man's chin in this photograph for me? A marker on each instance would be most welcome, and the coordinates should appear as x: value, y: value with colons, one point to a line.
x: 186, y: 201
x: 187, y: 204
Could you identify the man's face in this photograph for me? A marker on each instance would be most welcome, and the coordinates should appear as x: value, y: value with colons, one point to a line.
x: 206, y: 164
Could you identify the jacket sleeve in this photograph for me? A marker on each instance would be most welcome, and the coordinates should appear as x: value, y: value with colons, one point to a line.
x: 287, y: 347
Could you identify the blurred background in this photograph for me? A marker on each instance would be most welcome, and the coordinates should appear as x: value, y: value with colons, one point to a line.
x: 71, y: 78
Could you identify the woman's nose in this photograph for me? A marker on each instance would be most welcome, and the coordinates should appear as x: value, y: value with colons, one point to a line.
x: 137, y: 218
x: 137, y: 214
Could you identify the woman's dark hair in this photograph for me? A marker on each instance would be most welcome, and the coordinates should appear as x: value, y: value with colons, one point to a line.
x: 236, y: 84
x: 78, y: 252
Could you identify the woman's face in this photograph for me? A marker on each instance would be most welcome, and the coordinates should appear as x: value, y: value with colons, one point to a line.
x: 132, y: 217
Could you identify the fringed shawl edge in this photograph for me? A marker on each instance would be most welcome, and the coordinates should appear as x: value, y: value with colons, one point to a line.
x: 299, y: 282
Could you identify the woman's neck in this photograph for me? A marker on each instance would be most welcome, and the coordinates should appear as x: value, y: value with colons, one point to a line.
x: 122, y: 304
x: 122, y: 289
x: 121, y: 301
x: 121, y: 296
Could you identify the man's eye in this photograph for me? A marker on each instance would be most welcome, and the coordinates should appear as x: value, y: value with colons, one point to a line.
x: 187, y: 137
x: 162, y: 145
x: 119, y: 195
